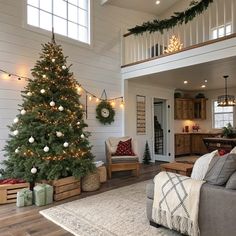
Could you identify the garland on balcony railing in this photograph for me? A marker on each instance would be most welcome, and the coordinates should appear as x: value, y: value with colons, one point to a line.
x: 196, y: 8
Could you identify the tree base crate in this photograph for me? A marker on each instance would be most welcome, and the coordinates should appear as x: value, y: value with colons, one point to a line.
x: 8, y: 192
x: 65, y: 188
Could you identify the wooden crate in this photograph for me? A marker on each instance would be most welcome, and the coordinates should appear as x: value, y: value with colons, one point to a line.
x: 65, y: 188
x: 8, y: 192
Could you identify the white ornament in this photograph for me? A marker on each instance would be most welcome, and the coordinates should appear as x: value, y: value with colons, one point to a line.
x: 15, y: 132
x: 29, y: 94
x: 82, y: 135
x: 60, y: 108
x: 53, y: 59
x: 33, y: 170
x: 42, y: 91
x: 31, y: 139
x: 66, y: 144
x: 23, y: 111
x: 52, y: 103
x: 63, y: 67
x: 78, y: 123
x: 17, y: 150
x: 44, y: 76
x: 46, y: 149
x: 16, y: 120
x: 59, y: 134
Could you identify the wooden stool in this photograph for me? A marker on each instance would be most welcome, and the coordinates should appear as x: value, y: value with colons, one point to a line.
x: 177, y: 167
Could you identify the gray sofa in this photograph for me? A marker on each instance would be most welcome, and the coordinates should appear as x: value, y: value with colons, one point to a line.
x: 217, y: 212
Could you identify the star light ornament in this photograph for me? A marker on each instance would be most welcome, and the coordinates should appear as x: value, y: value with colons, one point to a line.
x: 78, y: 123
x: 31, y: 139
x: 53, y: 60
x: 29, y: 94
x: 17, y: 150
x: 63, y: 67
x: 22, y: 112
x: 82, y: 136
x: 174, y: 45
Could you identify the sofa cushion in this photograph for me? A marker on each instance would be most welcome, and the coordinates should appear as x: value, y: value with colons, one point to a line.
x: 124, y: 148
x: 231, y: 183
x: 201, y: 165
x: 124, y: 159
x: 220, y: 169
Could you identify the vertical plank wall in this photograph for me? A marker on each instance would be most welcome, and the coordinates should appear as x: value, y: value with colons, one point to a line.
x: 96, y: 67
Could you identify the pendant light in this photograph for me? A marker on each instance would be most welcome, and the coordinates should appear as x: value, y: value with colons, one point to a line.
x: 226, y: 100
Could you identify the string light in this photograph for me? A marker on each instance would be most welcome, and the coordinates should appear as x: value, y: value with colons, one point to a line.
x: 78, y: 87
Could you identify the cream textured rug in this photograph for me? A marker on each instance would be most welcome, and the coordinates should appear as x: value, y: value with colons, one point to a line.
x: 119, y: 212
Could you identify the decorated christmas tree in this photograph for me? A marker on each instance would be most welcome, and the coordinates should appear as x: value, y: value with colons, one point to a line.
x: 47, y: 139
x: 146, y: 155
x: 174, y: 45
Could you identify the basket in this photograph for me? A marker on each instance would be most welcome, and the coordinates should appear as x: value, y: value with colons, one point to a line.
x: 91, y: 182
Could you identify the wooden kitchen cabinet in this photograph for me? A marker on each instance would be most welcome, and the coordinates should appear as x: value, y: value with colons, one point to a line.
x: 189, y: 109
x: 192, y: 143
x: 182, y: 144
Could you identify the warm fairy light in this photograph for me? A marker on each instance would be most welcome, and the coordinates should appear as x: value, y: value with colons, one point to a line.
x: 174, y: 45
x: 79, y: 89
x: 122, y: 104
x: 113, y: 104
x: 90, y: 98
x: 97, y: 99
x: 5, y: 76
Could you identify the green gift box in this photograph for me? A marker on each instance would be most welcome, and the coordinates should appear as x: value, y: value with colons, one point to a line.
x: 43, y: 194
x: 24, y: 197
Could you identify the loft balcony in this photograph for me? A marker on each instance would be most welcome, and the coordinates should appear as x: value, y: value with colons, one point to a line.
x: 210, y: 36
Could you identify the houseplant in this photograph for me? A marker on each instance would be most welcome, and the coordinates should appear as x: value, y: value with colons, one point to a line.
x: 229, y: 131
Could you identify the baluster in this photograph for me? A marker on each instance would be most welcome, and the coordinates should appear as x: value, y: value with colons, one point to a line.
x: 210, y: 22
x: 224, y: 18
x: 191, y: 34
x: 184, y: 29
x: 154, y: 44
x: 197, y: 31
x: 203, y: 27
x: 159, y: 44
x: 163, y: 42
x: 146, y: 45
x: 232, y: 16
x: 217, y: 17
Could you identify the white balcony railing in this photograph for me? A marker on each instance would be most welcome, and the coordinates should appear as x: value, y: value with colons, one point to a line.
x: 217, y: 21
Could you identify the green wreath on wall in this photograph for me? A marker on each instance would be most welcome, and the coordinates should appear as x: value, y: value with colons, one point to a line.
x: 105, y: 112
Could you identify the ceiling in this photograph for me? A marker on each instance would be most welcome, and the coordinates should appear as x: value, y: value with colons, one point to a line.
x: 195, y: 75
x: 147, y: 6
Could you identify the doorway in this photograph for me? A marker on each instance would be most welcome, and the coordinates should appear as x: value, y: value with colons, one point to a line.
x: 160, y: 133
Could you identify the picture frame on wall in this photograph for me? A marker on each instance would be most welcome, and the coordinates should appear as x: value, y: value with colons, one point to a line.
x: 140, y: 114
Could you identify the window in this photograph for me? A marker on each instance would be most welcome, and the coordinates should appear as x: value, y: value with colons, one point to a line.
x: 221, y: 31
x: 222, y: 116
x: 69, y: 18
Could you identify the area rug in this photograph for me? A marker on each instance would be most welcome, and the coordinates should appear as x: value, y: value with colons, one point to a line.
x: 119, y: 212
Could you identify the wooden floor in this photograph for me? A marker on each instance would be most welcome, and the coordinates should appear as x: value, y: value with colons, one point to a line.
x: 27, y: 221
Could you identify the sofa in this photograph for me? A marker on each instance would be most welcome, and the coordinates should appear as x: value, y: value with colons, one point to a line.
x: 217, y: 210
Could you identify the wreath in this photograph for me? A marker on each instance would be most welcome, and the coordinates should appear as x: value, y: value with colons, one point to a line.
x: 105, y: 112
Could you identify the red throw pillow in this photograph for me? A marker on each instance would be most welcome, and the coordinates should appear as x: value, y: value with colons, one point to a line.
x: 124, y: 148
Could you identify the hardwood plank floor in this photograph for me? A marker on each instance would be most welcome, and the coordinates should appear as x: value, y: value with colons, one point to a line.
x: 27, y: 221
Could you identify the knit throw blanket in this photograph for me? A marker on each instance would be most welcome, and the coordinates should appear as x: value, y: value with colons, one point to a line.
x: 176, y: 202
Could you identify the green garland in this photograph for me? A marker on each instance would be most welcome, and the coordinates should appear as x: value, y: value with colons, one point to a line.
x: 196, y: 8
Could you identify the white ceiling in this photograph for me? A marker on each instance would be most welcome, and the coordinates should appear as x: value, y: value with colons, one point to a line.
x: 147, y: 6
x: 195, y: 75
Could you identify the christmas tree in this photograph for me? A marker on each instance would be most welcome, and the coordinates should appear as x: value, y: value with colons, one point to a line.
x: 174, y: 45
x: 47, y: 139
x: 146, y: 155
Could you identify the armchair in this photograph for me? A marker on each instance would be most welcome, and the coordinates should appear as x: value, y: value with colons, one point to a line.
x: 119, y: 163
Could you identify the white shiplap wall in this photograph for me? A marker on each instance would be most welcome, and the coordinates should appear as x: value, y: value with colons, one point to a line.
x: 96, y: 67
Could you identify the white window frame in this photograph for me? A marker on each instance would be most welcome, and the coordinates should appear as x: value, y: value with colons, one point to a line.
x: 219, y: 27
x: 213, y: 115
x: 59, y: 36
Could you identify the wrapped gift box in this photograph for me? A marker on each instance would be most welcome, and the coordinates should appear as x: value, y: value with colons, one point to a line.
x: 43, y: 194
x: 24, y: 197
